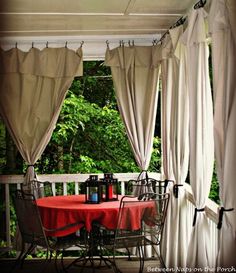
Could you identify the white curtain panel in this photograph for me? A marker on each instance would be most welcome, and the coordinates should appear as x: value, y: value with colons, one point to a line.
x: 33, y: 86
x: 222, y: 22
x: 175, y: 120
x: 201, y: 135
x: 135, y: 72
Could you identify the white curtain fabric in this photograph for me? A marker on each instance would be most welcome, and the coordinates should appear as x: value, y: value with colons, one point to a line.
x: 201, y: 134
x: 167, y: 81
x: 33, y: 86
x: 175, y: 120
x: 135, y: 71
x: 222, y: 22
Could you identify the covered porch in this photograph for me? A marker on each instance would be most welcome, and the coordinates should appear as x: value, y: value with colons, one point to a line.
x: 174, y: 34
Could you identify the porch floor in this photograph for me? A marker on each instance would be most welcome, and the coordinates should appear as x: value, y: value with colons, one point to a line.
x: 37, y: 266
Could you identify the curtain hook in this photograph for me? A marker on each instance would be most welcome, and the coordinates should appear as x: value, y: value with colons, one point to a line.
x: 129, y: 43
x: 107, y: 42
x: 66, y: 44
x: 81, y: 44
x: 32, y: 45
x: 16, y: 45
x: 200, y: 4
x: 47, y: 44
x: 132, y: 42
x: 120, y: 43
x: 154, y: 42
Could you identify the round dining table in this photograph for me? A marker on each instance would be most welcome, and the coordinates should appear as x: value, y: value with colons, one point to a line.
x: 72, y: 212
x: 69, y: 213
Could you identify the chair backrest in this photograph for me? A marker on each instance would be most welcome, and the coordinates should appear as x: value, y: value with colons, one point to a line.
x: 29, y: 220
x: 137, y: 187
x: 157, y: 186
x: 154, y: 222
x: 128, y: 231
x: 38, y: 188
x: 134, y: 213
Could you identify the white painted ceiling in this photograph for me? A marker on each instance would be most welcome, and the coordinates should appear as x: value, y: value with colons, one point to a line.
x: 93, y: 21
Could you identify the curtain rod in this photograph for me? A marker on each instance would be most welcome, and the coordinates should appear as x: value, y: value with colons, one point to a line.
x: 47, y: 44
x: 67, y: 43
x: 198, y: 5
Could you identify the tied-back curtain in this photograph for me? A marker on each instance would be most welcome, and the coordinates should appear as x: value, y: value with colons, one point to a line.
x: 201, y: 135
x: 175, y: 115
x: 222, y: 19
x: 33, y: 86
x: 135, y: 75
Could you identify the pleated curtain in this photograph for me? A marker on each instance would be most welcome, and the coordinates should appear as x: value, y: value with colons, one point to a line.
x: 222, y: 19
x: 175, y: 135
x: 33, y: 86
x: 201, y: 135
x: 135, y: 72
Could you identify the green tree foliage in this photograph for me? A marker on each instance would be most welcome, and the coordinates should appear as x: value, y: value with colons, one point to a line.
x: 90, y: 136
x: 93, y: 140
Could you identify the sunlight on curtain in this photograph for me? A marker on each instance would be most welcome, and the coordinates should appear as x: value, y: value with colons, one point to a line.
x: 222, y: 19
x: 33, y: 86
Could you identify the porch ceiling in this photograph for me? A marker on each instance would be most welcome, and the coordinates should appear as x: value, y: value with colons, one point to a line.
x: 76, y: 20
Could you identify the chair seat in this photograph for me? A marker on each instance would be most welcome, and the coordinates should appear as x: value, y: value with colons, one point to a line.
x: 65, y: 241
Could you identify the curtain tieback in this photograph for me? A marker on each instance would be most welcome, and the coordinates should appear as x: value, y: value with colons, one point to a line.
x: 195, y: 215
x: 176, y: 190
x: 146, y: 174
x: 167, y: 182
x: 221, y: 214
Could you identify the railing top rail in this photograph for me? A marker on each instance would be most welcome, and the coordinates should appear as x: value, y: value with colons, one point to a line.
x: 211, y: 207
x: 13, y: 179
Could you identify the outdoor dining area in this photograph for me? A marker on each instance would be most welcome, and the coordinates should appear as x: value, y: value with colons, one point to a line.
x: 123, y: 222
x: 98, y: 226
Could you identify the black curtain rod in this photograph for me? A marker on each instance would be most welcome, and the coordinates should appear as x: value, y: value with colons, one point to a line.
x: 200, y: 4
x: 176, y: 24
x: 181, y: 21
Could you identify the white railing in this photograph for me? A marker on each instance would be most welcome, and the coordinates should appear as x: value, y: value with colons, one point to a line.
x: 14, y: 181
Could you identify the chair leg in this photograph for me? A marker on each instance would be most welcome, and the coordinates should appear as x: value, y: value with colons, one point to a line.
x: 55, y: 261
x: 62, y: 261
x: 19, y: 258
x: 141, y: 258
x: 30, y: 249
x: 158, y: 252
x: 114, y: 264
x: 47, y: 260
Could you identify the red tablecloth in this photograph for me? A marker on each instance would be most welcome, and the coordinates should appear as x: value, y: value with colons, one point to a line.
x: 59, y: 211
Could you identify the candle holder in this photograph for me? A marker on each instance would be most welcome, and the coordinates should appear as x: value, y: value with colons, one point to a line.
x: 110, y: 188
x: 93, y: 190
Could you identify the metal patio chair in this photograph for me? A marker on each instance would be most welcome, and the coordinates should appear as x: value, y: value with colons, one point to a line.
x: 34, y: 234
x: 154, y: 229
x: 127, y: 236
